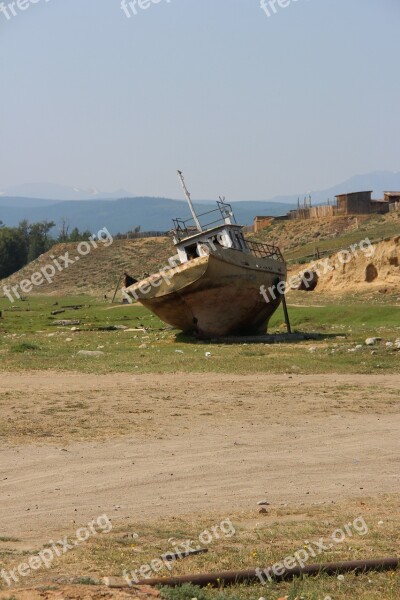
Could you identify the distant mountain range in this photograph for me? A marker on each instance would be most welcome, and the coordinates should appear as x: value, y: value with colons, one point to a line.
x: 152, y: 214
x: 120, y: 212
x: 54, y: 192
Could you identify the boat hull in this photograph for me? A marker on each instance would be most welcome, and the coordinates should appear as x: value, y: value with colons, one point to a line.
x: 216, y: 295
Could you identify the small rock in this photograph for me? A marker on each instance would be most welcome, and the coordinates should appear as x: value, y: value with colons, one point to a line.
x: 130, y: 536
x: 207, y: 354
x: 142, y: 346
x: 68, y: 339
x: 389, y: 344
x: 263, y: 511
x: 374, y: 352
x: 90, y: 353
x: 179, y: 351
x: 372, y: 341
x: 263, y: 503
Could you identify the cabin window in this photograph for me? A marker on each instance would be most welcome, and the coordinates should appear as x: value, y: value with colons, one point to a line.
x: 239, y: 242
x: 216, y: 241
x: 243, y: 241
x: 192, y: 251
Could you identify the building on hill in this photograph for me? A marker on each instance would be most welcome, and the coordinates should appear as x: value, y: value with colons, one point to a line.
x: 360, y: 203
x: 354, y: 203
x: 393, y: 198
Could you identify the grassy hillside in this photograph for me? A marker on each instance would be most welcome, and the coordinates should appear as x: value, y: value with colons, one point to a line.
x: 97, y: 273
x: 299, y: 240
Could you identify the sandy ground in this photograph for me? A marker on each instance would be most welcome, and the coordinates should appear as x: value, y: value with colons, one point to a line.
x: 80, y: 592
x: 211, y: 443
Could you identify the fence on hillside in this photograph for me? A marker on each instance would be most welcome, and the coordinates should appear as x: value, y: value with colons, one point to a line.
x: 140, y: 234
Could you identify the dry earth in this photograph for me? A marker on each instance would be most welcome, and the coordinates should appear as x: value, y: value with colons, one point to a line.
x: 377, y: 267
x: 157, y: 446
x: 80, y: 592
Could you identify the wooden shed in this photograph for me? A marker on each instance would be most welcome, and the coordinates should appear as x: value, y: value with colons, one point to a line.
x: 355, y: 203
x: 391, y: 197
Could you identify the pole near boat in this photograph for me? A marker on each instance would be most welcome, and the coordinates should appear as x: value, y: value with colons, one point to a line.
x: 285, y: 312
x: 188, y: 198
x: 116, y: 289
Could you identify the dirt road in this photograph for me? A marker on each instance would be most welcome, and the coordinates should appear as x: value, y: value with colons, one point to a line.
x: 77, y: 446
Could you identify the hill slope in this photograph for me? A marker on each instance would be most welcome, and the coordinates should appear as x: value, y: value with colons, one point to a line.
x: 301, y: 240
x: 98, y: 272
x: 377, y: 270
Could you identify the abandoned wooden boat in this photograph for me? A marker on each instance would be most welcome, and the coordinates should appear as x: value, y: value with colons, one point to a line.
x: 212, y: 286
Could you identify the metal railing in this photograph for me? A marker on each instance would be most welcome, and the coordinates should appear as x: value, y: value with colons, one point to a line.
x: 184, y: 228
x: 261, y: 250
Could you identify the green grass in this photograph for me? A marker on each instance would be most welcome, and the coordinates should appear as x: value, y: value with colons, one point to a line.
x: 30, y: 340
x: 358, y: 318
x: 24, y: 347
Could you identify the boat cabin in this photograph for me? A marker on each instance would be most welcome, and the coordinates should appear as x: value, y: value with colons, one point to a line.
x: 194, y: 238
x: 200, y: 244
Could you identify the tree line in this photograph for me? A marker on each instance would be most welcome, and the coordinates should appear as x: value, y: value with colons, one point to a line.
x: 20, y: 245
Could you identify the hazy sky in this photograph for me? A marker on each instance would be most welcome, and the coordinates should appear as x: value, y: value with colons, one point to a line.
x: 248, y: 106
